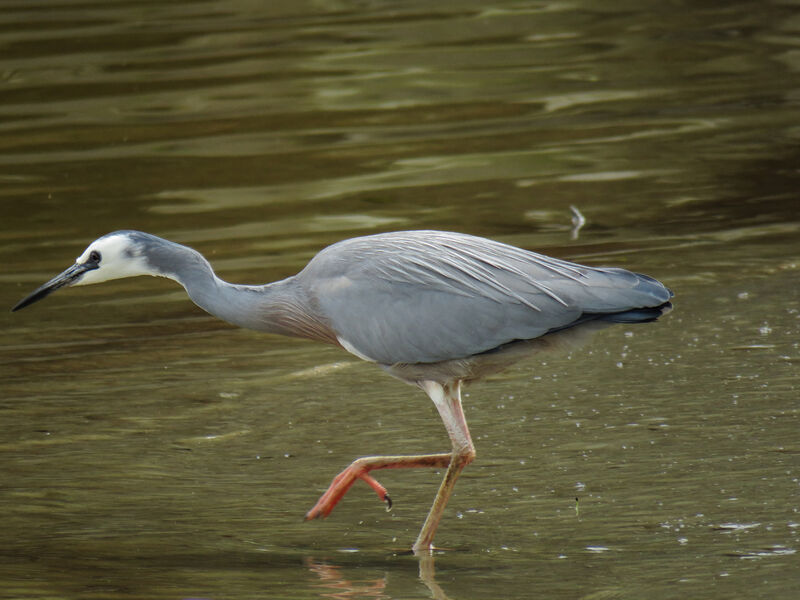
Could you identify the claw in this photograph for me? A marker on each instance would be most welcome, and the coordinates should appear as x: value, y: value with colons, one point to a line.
x: 388, y: 502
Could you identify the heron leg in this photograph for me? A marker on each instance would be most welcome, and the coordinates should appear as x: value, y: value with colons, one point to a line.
x: 447, y: 399
x: 360, y: 468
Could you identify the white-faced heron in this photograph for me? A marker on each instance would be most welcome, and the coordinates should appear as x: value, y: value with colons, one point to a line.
x: 431, y: 308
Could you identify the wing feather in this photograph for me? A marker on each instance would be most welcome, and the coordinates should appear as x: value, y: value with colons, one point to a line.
x: 429, y: 296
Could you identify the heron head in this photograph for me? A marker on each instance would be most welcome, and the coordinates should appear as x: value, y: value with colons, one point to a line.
x: 113, y: 256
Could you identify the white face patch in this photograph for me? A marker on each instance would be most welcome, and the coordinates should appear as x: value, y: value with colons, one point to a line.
x: 118, y: 258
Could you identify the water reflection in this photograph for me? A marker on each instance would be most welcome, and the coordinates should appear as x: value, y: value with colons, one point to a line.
x: 427, y: 575
x: 336, y: 585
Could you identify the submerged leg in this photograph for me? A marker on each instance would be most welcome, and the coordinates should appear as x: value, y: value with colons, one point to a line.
x: 447, y: 399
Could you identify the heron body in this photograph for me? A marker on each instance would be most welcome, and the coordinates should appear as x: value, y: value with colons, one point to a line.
x: 431, y: 308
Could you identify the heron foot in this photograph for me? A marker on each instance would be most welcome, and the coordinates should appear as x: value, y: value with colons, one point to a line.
x: 360, y: 468
x: 341, y: 484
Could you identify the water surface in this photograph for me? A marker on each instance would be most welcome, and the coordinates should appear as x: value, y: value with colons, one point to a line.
x: 148, y: 450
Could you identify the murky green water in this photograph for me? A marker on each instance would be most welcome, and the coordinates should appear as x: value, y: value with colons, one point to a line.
x: 150, y: 451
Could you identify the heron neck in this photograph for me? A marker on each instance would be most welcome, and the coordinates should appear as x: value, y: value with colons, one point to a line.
x: 278, y: 307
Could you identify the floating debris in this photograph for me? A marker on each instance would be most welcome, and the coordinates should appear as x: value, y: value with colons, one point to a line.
x: 578, y: 221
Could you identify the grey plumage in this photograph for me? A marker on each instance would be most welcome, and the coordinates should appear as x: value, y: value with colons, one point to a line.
x: 429, y: 296
x: 431, y: 308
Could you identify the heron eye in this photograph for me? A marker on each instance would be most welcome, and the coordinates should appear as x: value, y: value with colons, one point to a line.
x: 94, y: 256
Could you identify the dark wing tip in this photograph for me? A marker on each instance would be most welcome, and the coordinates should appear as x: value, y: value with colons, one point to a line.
x: 639, y: 315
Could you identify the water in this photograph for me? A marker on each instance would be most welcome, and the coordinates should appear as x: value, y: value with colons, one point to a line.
x: 150, y: 451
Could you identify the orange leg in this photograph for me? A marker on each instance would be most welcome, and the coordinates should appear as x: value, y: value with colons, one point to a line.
x: 447, y: 399
x: 360, y: 468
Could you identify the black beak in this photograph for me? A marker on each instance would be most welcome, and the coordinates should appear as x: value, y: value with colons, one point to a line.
x: 66, y: 278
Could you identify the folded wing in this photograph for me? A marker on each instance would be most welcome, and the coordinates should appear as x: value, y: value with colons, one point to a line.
x: 429, y: 296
